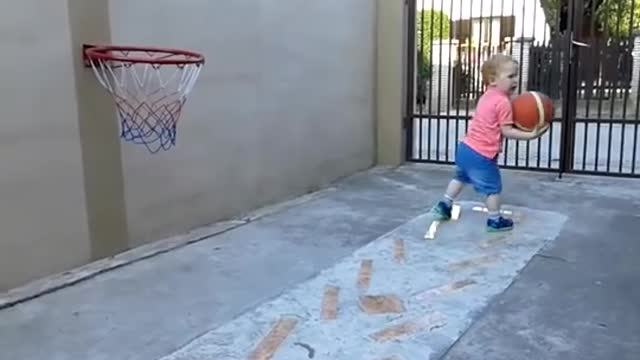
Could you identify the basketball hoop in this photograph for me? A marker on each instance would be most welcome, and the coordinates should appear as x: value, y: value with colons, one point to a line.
x: 149, y: 86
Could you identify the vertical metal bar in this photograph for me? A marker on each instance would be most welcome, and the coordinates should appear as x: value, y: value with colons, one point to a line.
x: 566, y: 158
x: 458, y: 86
x: 589, y: 71
x: 477, y: 82
x: 635, y: 130
x: 469, y: 67
x: 449, y: 79
x: 438, y: 109
x: 533, y: 32
x: 589, y: 76
x: 422, y: 80
x: 602, y: 83
x: 524, y: 9
x: 589, y: 79
x: 566, y: 88
x: 550, y: 144
x: 539, y: 152
x: 556, y: 55
x: 430, y: 111
x: 577, y: 26
x: 477, y: 79
x: 584, y: 144
x: 490, y: 40
x: 600, y: 96
x: 491, y: 16
x: 540, y: 59
x: 635, y: 125
x: 506, y: 141
x: 628, y: 46
x: 501, y: 16
x: 410, y: 76
x: 623, y: 126
x: 614, y: 86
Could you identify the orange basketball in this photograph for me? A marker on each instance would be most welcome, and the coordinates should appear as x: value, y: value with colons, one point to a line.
x: 532, y: 109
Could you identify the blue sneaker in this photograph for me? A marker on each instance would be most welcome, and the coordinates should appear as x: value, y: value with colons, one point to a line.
x: 501, y: 224
x: 441, y: 211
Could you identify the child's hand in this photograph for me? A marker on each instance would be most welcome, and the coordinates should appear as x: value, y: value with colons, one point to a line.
x: 539, y: 131
x: 512, y: 132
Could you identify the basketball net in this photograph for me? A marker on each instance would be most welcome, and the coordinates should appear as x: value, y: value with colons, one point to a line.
x: 149, y: 96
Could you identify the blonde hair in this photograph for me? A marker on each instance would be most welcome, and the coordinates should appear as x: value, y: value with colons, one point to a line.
x: 493, y: 65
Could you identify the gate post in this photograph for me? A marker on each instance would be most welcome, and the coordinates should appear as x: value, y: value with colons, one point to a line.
x: 569, y: 87
x: 391, y: 64
x: 569, y: 103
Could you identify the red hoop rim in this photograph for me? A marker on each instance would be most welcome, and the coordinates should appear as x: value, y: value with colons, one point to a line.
x: 105, y: 53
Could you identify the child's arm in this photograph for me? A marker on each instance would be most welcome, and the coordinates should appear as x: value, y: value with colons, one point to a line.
x: 505, y: 119
x: 511, y: 132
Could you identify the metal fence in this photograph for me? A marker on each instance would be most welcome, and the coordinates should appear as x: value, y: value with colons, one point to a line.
x: 584, y: 54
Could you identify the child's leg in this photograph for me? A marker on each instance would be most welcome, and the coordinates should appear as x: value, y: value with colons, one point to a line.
x: 496, y: 222
x: 460, y: 179
x: 484, y: 174
x: 453, y: 190
x: 493, y: 205
x: 442, y: 210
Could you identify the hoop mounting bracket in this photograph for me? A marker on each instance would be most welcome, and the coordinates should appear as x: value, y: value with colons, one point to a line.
x: 85, y: 58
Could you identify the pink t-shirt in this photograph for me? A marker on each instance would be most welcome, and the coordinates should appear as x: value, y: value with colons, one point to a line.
x: 492, y: 112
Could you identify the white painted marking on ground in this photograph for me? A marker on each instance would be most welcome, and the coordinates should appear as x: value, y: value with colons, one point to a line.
x: 415, y: 333
x: 484, y: 209
x: 455, y: 212
x: 431, y: 231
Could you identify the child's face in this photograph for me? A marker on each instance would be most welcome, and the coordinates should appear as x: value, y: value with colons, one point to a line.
x: 507, y: 79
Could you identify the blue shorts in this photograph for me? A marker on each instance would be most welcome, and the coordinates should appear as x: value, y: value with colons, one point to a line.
x: 478, y: 170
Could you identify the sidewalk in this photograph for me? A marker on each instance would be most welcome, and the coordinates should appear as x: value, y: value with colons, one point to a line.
x: 563, y: 286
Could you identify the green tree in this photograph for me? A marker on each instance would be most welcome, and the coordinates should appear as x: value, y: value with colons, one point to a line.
x: 618, y: 17
x: 430, y: 25
x: 614, y: 17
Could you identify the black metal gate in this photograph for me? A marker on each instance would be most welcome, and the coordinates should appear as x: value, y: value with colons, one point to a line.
x: 584, y: 54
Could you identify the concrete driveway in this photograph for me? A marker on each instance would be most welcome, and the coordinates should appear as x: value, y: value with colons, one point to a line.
x: 347, y: 274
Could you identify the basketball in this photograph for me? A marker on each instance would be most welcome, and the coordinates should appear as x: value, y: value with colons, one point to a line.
x: 532, y: 109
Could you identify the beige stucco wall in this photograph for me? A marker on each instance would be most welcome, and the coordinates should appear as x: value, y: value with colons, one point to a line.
x: 284, y: 104
x: 43, y: 219
x: 287, y: 102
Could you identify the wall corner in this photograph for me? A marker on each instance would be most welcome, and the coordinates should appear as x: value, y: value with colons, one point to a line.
x: 390, y: 94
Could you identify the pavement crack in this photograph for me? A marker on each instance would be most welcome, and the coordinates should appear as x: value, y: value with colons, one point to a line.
x: 552, y: 257
x: 307, y: 314
x: 311, y: 351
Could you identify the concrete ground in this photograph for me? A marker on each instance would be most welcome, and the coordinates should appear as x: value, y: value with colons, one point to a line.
x: 347, y: 274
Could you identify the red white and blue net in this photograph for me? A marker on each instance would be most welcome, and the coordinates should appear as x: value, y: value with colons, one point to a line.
x: 149, y: 87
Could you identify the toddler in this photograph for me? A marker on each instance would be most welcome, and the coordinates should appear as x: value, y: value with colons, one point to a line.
x: 477, y: 153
